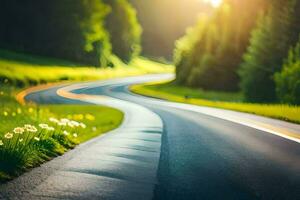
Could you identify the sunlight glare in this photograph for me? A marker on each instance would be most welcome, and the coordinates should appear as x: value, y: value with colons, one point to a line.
x: 214, y: 3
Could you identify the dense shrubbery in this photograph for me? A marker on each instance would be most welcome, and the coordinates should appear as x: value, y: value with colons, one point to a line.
x: 288, y: 80
x: 69, y: 29
x: 125, y: 31
x: 244, y: 43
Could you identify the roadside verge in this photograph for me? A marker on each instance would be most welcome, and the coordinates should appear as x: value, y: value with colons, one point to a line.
x: 251, y: 115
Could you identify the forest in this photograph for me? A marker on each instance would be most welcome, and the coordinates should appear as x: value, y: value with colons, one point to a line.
x: 252, y: 46
x: 246, y: 46
x: 120, y: 26
x: 82, y: 30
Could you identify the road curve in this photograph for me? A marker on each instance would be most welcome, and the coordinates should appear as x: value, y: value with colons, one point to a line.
x: 167, y: 151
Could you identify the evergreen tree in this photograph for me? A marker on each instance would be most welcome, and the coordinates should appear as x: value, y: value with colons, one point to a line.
x: 270, y: 42
x: 184, y: 58
x: 288, y: 80
x: 214, y: 48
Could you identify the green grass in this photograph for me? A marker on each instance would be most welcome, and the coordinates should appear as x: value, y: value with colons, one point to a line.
x: 23, y: 151
x: 230, y: 101
x: 27, y: 150
x: 23, y: 70
x: 172, y: 88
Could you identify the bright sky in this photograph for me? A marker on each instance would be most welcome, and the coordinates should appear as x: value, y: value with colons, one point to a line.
x: 214, y: 3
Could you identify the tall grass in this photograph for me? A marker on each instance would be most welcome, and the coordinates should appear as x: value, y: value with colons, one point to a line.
x: 28, y: 145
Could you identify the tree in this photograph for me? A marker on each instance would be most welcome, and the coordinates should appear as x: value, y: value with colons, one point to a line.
x: 269, y: 45
x: 125, y: 30
x: 214, y: 47
x: 68, y: 29
x: 184, y: 58
x: 288, y: 80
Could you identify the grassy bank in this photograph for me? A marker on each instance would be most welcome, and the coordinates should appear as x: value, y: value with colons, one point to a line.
x: 31, y: 135
x: 230, y: 101
x: 23, y: 70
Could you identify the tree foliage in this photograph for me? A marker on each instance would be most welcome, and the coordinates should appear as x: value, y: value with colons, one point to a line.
x: 209, y: 55
x: 65, y: 29
x: 288, y: 80
x: 125, y: 30
x: 69, y: 29
x: 270, y: 42
x: 244, y: 43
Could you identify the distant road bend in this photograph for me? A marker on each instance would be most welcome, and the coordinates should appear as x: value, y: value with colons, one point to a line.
x: 166, y: 151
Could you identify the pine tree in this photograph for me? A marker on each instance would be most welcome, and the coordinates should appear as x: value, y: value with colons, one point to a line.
x: 269, y: 45
x: 215, y: 46
x: 288, y: 80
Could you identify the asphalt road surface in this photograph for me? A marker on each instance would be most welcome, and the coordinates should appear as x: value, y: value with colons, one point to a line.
x: 166, y: 151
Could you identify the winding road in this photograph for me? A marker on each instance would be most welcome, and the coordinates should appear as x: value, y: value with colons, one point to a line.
x: 166, y: 151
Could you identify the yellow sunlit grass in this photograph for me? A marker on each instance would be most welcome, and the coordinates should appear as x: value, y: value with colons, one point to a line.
x: 172, y: 93
x: 26, y: 72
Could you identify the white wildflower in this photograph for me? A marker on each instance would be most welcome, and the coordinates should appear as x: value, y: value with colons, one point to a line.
x: 66, y: 133
x: 82, y: 125
x: 61, y: 123
x: 8, y: 135
x: 65, y: 120
x: 30, y: 128
x: 44, y: 126
x: 19, y: 130
x: 50, y: 128
x: 54, y: 120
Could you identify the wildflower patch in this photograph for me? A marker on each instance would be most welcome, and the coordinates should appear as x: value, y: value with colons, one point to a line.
x: 32, y: 134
